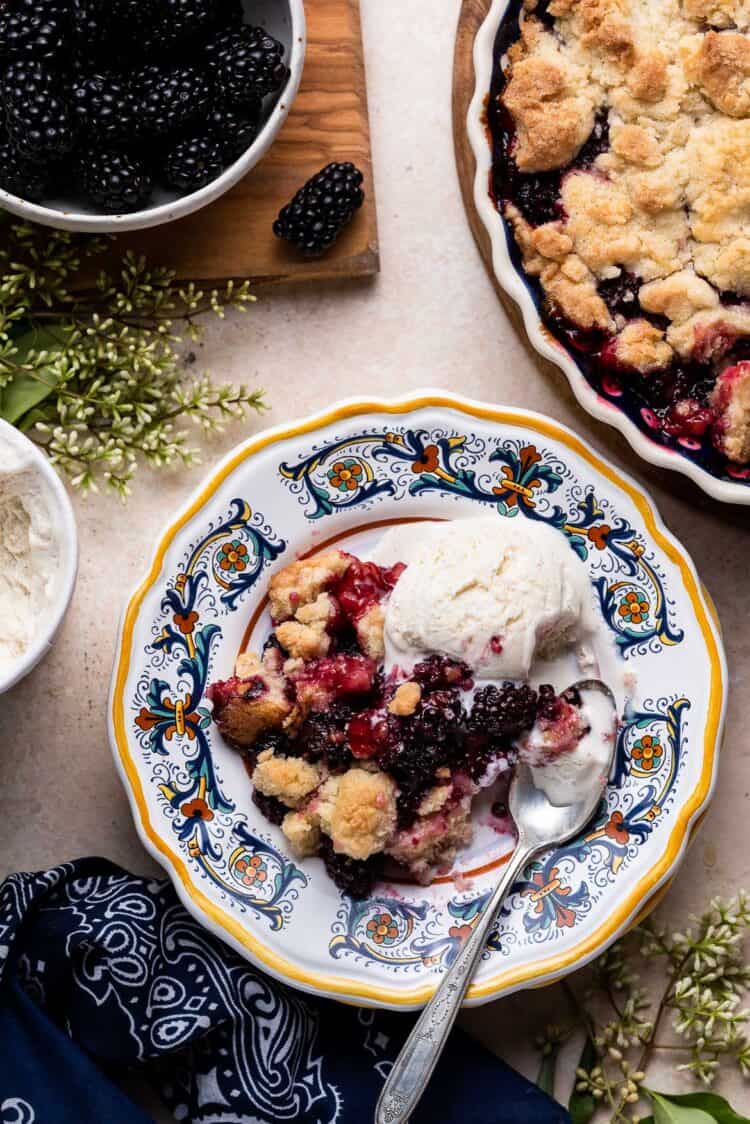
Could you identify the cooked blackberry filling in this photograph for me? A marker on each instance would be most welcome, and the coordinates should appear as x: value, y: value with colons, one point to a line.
x: 354, y: 763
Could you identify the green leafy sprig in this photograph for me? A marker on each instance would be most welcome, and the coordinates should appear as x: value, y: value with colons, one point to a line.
x: 704, y: 978
x: 98, y: 378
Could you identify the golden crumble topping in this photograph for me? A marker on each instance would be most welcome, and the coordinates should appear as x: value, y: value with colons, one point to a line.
x: 289, y: 779
x: 358, y: 811
x: 641, y: 345
x: 669, y: 201
x: 405, y: 699
x: 370, y: 629
x: 302, y: 830
x: 302, y: 582
x: 306, y: 637
x: 731, y: 398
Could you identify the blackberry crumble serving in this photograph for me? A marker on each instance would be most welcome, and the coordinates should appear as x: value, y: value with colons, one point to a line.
x: 367, y: 742
x: 621, y: 162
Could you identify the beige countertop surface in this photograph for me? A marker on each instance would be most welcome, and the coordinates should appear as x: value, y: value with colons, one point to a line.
x: 431, y: 318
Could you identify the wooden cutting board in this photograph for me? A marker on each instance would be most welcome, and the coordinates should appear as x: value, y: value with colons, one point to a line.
x: 328, y: 121
x: 471, y: 18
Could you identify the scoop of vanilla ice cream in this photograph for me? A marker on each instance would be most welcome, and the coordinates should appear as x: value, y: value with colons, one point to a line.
x: 495, y: 592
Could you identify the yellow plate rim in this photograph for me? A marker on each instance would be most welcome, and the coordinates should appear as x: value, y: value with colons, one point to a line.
x: 229, y: 927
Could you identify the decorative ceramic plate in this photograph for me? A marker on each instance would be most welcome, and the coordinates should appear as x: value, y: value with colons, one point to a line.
x: 609, y: 400
x: 203, y: 599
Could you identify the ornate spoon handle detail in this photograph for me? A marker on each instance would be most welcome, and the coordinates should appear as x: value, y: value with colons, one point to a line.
x: 419, y: 1055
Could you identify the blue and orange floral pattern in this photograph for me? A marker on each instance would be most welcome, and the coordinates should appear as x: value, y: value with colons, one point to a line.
x: 347, y: 475
x: 172, y: 720
x: 171, y: 715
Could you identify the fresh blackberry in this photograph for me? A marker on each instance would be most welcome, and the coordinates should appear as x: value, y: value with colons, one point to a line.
x: 431, y: 739
x: 31, y: 32
x: 229, y: 13
x: 115, y: 181
x: 53, y: 9
x: 246, y: 63
x: 192, y: 163
x: 21, y: 177
x: 234, y: 129
x: 104, y: 108
x: 500, y: 713
x: 41, y: 128
x: 321, y: 209
x: 271, y: 808
x: 167, y: 98
x: 180, y: 20
x: 112, y: 27
x: 356, y: 877
x: 23, y: 80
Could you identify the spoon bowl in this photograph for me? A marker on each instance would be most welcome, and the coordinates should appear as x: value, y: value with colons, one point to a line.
x: 541, y: 822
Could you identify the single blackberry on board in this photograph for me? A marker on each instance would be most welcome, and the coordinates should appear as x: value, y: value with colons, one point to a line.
x: 21, y: 177
x: 167, y: 98
x: 115, y: 182
x: 321, y: 209
x: 41, y: 128
x: 32, y: 32
x: 104, y: 108
x: 234, y: 129
x: 246, y: 63
x: 192, y: 163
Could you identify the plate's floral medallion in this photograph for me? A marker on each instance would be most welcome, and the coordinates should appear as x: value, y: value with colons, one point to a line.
x: 361, y: 470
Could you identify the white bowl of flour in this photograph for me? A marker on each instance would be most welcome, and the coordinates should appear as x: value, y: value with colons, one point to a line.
x: 38, y: 555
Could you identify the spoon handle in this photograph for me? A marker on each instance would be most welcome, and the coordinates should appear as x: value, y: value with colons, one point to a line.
x: 419, y: 1055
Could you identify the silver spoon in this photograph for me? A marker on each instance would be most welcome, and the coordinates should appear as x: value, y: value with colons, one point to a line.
x: 540, y: 825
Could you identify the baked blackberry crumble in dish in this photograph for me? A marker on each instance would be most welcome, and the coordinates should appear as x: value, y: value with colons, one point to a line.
x: 392, y: 690
x: 620, y: 164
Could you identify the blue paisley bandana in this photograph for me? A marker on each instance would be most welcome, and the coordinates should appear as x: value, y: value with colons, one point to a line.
x: 102, y: 972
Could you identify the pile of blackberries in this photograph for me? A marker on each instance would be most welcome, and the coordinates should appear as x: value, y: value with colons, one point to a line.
x: 112, y: 97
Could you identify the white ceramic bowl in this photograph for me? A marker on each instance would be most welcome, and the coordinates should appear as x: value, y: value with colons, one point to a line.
x: 285, y: 20
x: 513, y: 281
x: 68, y: 564
x: 203, y: 598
